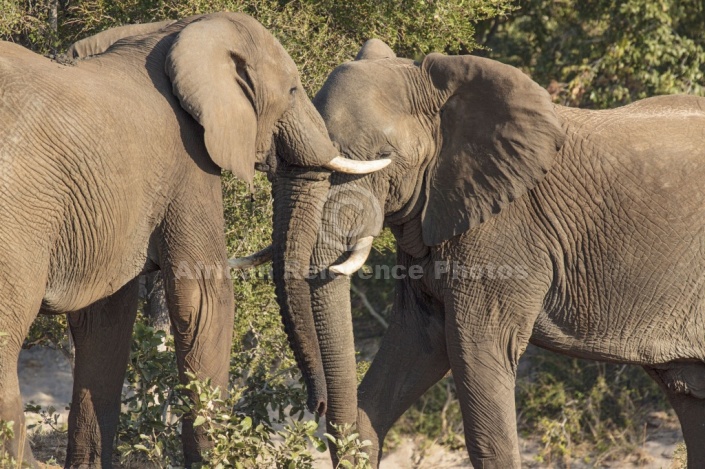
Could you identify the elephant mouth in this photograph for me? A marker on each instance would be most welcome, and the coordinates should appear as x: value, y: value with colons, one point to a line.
x: 267, y: 160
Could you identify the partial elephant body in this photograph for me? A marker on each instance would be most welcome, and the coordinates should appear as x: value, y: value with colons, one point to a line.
x: 104, y: 204
x: 580, y: 231
x: 621, y: 218
x: 110, y: 168
x: 605, y: 259
x: 610, y: 245
x: 84, y: 187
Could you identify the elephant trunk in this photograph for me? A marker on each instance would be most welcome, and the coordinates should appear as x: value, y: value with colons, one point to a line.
x: 332, y: 314
x: 344, y: 229
x: 298, y: 202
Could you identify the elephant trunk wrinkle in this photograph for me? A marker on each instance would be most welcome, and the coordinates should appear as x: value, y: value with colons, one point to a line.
x: 298, y: 203
x: 331, y: 308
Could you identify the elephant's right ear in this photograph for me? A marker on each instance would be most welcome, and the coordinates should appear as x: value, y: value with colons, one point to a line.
x: 500, y: 136
x: 211, y: 77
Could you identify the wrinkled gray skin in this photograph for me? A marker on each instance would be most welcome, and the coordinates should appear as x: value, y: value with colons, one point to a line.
x: 579, y: 231
x: 111, y: 168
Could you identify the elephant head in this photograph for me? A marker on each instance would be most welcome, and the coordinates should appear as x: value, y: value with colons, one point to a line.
x: 466, y: 136
x: 240, y: 84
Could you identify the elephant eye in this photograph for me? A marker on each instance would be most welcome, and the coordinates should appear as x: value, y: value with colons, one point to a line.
x: 292, y: 91
x: 384, y: 154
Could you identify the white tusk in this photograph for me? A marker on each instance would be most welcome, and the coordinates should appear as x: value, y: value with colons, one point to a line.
x: 357, y: 258
x: 348, y: 166
x: 258, y: 258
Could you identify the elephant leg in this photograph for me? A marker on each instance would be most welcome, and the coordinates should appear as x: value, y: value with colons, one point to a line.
x: 101, y: 334
x: 484, y: 361
x: 200, y: 301
x: 411, y: 359
x: 16, y: 316
x: 682, y: 383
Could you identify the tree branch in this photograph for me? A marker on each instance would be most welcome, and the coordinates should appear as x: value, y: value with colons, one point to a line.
x: 369, y: 306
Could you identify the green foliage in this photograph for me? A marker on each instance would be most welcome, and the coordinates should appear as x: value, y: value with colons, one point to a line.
x: 49, y: 418
x: 7, y: 433
x: 27, y: 22
x: 148, y: 430
x: 319, y: 34
x: 576, y: 404
x: 252, y: 428
x: 349, y: 447
x: 49, y: 331
x: 607, y: 52
x: 243, y: 441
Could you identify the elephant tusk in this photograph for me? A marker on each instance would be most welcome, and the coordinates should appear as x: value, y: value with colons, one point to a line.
x: 348, y: 166
x: 357, y: 258
x: 258, y: 258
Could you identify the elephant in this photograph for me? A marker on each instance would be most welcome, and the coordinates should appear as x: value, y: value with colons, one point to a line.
x: 517, y: 221
x: 110, y: 167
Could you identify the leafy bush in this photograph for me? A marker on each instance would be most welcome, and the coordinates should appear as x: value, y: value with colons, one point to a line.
x: 604, y: 53
x: 7, y: 433
x: 319, y: 34
x: 148, y: 429
x: 581, y: 407
x: 258, y: 426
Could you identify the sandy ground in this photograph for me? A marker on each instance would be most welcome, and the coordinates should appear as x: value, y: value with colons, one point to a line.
x: 45, y: 379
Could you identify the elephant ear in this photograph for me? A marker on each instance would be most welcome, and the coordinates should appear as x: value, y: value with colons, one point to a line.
x: 99, y: 43
x: 210, y: 75
x: 500, y: 136
x: 375, y: 49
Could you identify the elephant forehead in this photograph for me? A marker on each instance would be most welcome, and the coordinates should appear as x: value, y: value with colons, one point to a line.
x: 362, y: 87
x: 352, y: 130
x: 279, y: 60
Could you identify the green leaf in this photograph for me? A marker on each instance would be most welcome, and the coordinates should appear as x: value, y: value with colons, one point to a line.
x: 200, y: 420
x: 318, y: 443
x: 246, y: 424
